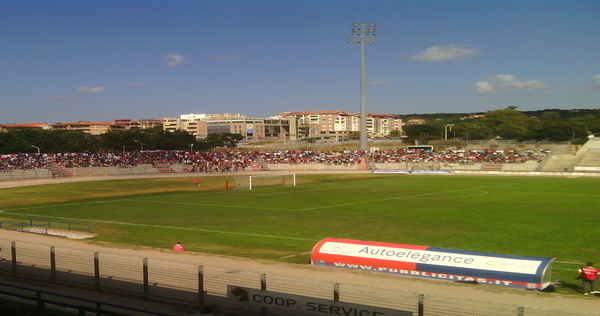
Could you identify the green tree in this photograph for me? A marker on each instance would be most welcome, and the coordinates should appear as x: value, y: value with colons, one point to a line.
x: 511, y: 131
x: 354, y: 135
x: 550, y: 116
x: 11, y: 143
x: 221, y: 140
x: 472, y: 131
x: 423, y: 132
x: 26, y: 140
x: 395, y: 133
x: 561, y: 131
x: 497, y: 117
x: 148, y: 139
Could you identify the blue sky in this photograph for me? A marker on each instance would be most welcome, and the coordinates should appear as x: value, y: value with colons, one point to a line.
x: 101, y: 60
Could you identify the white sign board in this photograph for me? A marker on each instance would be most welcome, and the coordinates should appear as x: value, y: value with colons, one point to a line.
x: 306, y: 305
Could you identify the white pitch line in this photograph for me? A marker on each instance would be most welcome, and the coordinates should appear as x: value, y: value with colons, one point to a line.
x: 481, y: 193
x: 400, y: 197
x: 70, y: 204
x: 212, y: 205
x: 291, y: 256
x: 567, y: 262
x: 146, y: 201
x: 159, y: 226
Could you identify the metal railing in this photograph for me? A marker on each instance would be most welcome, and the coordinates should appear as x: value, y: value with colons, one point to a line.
x: 37, y: 302
x: 44, y: 225
x: 193, y: 284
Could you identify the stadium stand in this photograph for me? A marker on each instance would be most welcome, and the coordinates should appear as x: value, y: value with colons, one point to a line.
x: 32, y: 166
x: 586, y: 159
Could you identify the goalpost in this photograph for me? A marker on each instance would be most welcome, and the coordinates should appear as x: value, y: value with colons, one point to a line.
x: 258, y: 181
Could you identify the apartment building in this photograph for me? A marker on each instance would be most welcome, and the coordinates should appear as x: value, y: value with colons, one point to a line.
x: 223, y: 116
x: 93, y: 128
x: 289, y: 125
x: 380, y: 125
x: 141, y: 124
x: 318, y: 124
x: 25, y: 126
x: 339, y: 124
x: 201, y: 125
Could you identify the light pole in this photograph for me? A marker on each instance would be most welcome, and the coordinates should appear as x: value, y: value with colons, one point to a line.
x: 363, y: 34
x: 446, y: 130
x: 36, y: 147
x: 141, y: 144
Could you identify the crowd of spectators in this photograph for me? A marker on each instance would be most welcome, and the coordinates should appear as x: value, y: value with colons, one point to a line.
x: 459, y: 156
x: 207, y: 161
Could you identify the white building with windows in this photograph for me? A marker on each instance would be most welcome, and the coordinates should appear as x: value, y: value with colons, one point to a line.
x: 288, y: 125
x: 340, y: 124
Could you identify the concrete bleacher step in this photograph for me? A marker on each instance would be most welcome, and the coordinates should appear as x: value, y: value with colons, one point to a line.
x: 164, y: 168
x: 262, y: 165
x: 60, y: 171
x: 179, y: 168
x: 362, y: 164
x: 562, y: 162
x: 492, y: 167
x: 590, y: 159
x: 587, y: 156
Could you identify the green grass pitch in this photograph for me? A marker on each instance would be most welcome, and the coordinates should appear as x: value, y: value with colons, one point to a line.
x: 530, y: 216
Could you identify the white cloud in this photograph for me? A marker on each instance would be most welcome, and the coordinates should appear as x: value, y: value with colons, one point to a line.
x: 506, y: 83
x: 230, y: 55
x: 136, y: 84
x: 379, y: 82
x: 596, y: 86
x: 61, y: 98
x: 174, y: 60
x: 442, y: 53
x: 90, y: 89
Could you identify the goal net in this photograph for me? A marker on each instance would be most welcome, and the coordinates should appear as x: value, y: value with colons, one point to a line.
x: 259, y: 181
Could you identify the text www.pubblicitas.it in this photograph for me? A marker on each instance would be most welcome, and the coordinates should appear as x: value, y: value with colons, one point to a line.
x: 422, y: 273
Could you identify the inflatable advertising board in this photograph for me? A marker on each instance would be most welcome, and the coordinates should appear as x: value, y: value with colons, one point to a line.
x: 435, y: 263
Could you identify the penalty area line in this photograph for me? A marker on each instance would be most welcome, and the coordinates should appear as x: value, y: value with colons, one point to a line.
x: 160, y: 226
x: 210, y: 205
x: 403, y: 197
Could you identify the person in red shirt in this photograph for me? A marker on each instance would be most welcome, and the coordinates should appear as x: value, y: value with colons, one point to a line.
x: 589, y: 274
x: 178, y: 247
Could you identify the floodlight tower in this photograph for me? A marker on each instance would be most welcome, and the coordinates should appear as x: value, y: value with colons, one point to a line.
x: 363, y: 34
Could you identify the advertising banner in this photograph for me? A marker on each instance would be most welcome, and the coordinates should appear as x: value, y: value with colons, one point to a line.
x: 432, y: 262
x: 305, y: 305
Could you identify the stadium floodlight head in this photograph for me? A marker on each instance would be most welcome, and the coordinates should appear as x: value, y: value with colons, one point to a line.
x: 363, y: 33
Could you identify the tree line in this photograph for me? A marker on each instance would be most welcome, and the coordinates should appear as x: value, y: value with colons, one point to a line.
x: 55, y: 141
x: 543, y: 125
